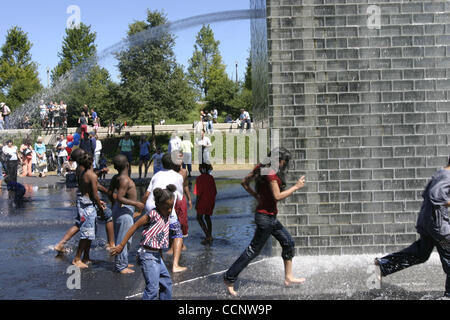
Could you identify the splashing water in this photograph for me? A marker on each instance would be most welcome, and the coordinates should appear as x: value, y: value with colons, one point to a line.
x: 30, y: 107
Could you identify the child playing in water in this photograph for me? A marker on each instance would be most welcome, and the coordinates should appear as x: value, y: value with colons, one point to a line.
x: 87, y: 209
x: 17, y: 188
x: 123, y: 209
x: 205, y: 189
x: 107, y: 213
x: 155, y: 238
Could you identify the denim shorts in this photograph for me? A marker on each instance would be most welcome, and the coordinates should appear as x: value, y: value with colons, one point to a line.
x: 108, y: 215
x: 175, y: 231
x: 86, y: 219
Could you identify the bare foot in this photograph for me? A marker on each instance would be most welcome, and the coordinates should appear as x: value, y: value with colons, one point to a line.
x: 79, y: 264
x: 131, y: 266
x: 230, y: 288
x: 87, y: 261
x: 170, y: 252
x: 177, y: 269
x: 59, y: 248
x: 127, y: 271
x: 184, y: 248
x: 290, y: 281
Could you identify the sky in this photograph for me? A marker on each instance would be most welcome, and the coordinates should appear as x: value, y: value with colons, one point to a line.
x: 45, y: 22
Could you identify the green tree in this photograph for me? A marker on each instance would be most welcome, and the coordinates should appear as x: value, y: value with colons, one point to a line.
x: 78, y: 46
x: 205, y: 66
x: 19, y: 78
x: 153, y: 86
x: 93, y: 85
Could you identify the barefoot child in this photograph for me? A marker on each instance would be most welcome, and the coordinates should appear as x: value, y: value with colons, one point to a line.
x: 205, y: 189
x: 87, y: 209
x: 107, y: 213
x: 123, y: 209
x: 17, y: 188
x: 155, y: 238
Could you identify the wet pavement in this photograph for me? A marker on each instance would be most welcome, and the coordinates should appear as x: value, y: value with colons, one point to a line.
x: 30, y: 270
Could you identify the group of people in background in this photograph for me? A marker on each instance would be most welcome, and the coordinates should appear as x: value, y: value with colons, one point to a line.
x: 53, y: 115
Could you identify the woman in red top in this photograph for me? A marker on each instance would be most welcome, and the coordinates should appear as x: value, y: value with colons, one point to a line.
x: 270, y: 188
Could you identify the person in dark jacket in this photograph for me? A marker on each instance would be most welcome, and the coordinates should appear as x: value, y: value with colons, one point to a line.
x: 433, y: 226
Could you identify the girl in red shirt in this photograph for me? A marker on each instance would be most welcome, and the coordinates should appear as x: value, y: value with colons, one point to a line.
x: 205, y: 189
x: 270, y: 188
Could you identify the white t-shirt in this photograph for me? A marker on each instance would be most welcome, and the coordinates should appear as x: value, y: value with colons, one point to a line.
x: 62, y: 153
x: 161, y: 180
x: 174, y: 144
x: 98, y: 147
x: 205, y: 142
x: 247, y: 116
x: 11, y: 151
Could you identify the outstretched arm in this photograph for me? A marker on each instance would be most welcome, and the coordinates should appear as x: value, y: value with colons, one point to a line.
x: 140, y: 223
x: 278, y: 195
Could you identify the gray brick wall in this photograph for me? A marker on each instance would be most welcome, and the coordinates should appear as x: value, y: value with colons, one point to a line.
x: 367, y: 108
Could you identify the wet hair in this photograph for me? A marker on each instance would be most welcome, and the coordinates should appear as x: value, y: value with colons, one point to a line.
x: 85, y: 160
x: 76, y: 154
x: 283, y: 154
x: 205, y: 168
x: 167, y: 161
x: 163, y: 195
x: 120, y: 162
x: 9, y: 141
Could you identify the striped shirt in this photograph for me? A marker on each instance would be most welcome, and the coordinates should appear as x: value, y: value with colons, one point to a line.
x: 156, y: 233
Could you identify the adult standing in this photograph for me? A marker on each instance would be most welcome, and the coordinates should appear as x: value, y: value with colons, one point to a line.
x: 144, y: 155
x: 12, y: 160
x: 6, y: 111
x: 98, y: 152
x: 51, y: 113
x: 61, y: 150
x: 215, y: 115
x: 41, y: 157
x: 433, y: 227
x: 270, y: 188
x: 26, y: 151
x: 126, y: 146
x: 245, y: 119
x: 83, y: 122
x: 205, y: 144
x: 174, y: 143
x: 2, y: 122
x: 86, y: 144
x: 63, y: 114
x: 43, y: 114
x: 186, y: 148
x: 209, y: 123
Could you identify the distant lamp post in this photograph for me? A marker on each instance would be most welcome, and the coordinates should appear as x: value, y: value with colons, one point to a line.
x: 237, y: 74
x: 48, y: 77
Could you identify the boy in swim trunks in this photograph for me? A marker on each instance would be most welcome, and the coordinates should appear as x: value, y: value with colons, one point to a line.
x: 124, y: 205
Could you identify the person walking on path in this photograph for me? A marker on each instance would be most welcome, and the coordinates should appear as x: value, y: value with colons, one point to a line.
x: 186, y: 148
x: 126, y: 146
x: 12, y: 160
x: 270, y: 188
x: 26, y: 151
x: 144, y: 155
x: 61, y: 147
x: 433, y: 227
x: 40, y: 149
x: 205, y: 144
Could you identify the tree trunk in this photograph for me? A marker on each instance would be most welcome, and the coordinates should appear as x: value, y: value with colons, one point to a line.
x: 153, y: 135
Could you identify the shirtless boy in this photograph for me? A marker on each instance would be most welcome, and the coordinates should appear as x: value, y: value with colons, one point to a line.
x: 124, y: 204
